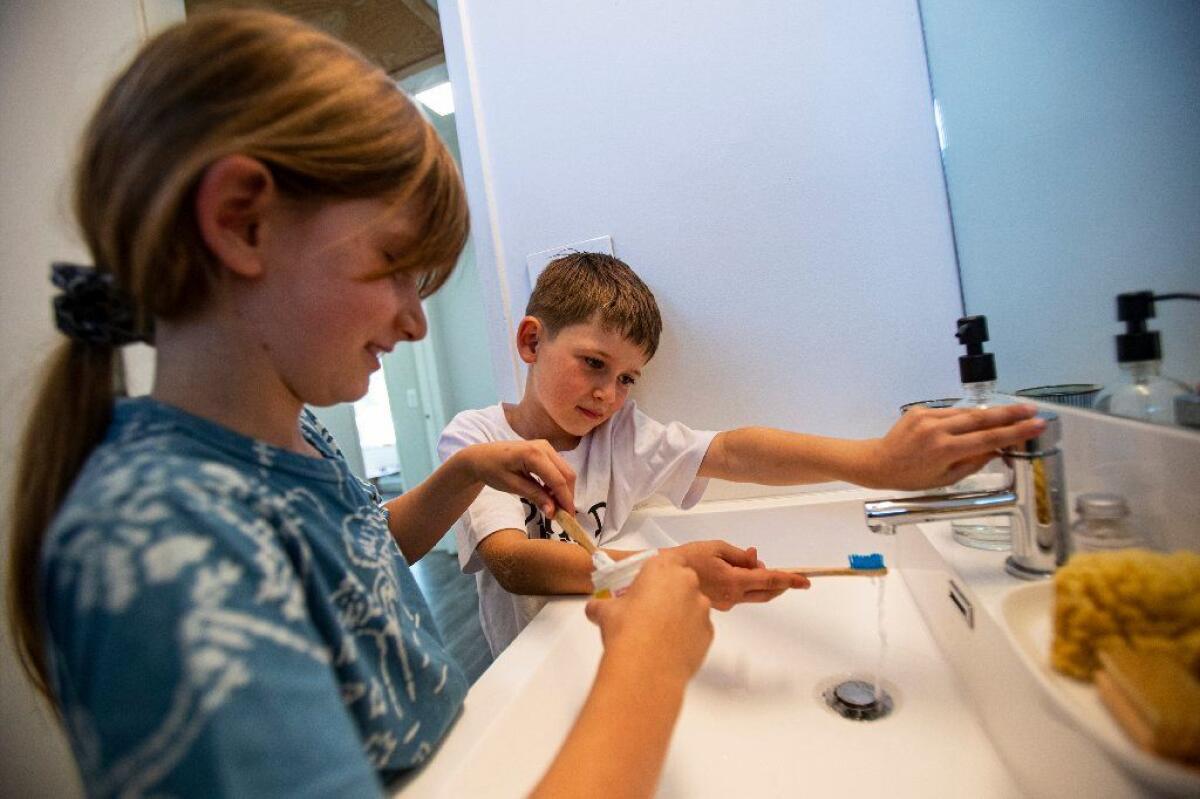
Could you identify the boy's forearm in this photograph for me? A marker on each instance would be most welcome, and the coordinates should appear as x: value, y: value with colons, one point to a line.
x: 776, y: 457
x: 419, y: 518
x: 542, y: 566
x: 620, y: 739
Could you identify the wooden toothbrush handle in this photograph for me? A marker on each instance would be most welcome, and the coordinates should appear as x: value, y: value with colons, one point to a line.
x: 577, y: 533
x: 823, y: 571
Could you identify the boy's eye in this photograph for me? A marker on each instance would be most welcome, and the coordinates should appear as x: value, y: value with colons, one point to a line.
x: 628, y: 380
x: 593, y: 363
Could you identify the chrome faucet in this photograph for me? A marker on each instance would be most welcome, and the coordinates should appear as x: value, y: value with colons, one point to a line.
x: 1036, y: 503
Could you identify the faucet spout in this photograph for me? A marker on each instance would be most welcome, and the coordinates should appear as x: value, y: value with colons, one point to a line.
x: 1036, y: 502
x: 883, y: 516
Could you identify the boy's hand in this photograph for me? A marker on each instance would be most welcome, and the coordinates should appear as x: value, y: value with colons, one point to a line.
x: 511, y: 466
x: 730, y: 576
x: 662, y: 619
x: 931, y: 447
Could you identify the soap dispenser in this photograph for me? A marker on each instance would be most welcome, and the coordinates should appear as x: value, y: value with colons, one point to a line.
x: 1144, y: 392
x: 978, y: 372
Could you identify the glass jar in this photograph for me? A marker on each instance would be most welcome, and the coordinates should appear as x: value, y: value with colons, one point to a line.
x: 984, y: 532
x: 1102, y: 524
x: 1143, y: 393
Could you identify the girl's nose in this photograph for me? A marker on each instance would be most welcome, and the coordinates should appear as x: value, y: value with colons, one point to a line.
x: 413, y: 325
x: 410, y: 317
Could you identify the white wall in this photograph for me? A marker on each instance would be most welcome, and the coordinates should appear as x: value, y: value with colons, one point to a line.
x: 1074, y: 170
x: 55, y: 58
x: 770, y: 169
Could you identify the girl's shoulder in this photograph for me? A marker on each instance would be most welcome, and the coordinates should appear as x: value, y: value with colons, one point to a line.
x: 162, y: 489
x: 153, y: 534
x: 145, y: 482
x: 158, y: 470
x: 148, y: 501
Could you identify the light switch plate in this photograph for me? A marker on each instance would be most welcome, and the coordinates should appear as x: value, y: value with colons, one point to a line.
x: 536, y: 262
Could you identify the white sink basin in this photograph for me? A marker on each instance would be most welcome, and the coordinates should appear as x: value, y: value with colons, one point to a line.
x: 1028, y: 618
x: 754, y: 723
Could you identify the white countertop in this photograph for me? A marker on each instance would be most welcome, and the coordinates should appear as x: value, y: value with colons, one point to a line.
x: 754, y: 723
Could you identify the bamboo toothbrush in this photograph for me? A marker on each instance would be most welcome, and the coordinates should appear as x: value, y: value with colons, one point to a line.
x: 600, y: 559
x: 860, y: 566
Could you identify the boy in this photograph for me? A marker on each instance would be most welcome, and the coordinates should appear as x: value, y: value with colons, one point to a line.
x: 591, y: 325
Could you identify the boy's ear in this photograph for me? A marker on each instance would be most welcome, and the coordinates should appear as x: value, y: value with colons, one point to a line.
x: 232, y: 201
x: 530, y: 334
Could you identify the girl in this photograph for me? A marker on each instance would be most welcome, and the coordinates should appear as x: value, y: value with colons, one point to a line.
x: 214, y: 603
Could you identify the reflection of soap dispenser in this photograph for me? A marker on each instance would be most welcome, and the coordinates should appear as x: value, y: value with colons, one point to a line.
x: 978, y: 372
x: 1143, y: 393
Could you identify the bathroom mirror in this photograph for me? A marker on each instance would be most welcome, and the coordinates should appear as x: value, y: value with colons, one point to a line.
x: 1070, y: 136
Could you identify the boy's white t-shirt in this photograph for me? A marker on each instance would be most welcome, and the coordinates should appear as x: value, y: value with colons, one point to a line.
x: 624, y: 461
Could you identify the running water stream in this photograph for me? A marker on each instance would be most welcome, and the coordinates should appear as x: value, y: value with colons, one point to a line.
x: 890, y: 554
x: 880, y: 587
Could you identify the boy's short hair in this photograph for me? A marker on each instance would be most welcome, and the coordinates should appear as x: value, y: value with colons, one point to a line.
x: 583, y: 286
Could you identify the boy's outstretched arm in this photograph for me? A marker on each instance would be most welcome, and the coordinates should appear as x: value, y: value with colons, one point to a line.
x: 928, y: 447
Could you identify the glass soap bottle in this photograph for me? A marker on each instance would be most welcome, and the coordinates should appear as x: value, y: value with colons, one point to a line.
x: 978, y: 372
x: 1102, y: 524
x: 1143, y: 392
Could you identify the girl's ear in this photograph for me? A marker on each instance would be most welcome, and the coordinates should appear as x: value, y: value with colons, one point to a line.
x: 231, y: 202
x: 530, y: 333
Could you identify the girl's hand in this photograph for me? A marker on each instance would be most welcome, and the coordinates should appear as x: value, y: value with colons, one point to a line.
x: 662, y: 619
x: 730, y: 576
x: 531, y: 469
x: 931, y: 447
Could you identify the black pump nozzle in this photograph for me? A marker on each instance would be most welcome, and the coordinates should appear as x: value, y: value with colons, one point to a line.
x: 976, y: 366
x: 1137, y: 343
x: 1134, y: 308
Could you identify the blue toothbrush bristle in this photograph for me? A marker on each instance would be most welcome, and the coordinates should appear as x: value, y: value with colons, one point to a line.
x: 872, y: 561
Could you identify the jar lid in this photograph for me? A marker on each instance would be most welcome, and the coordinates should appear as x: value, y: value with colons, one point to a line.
x: 1101, y: 506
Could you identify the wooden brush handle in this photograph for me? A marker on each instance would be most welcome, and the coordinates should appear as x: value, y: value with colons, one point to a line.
x: 833, y: 571
x: 577, y: 533
x: 1124, y: 711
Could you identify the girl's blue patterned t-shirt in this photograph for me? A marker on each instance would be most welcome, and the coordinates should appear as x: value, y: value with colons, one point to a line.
x: 227, y: 618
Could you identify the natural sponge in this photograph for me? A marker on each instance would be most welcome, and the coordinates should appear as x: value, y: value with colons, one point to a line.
x: 1146, y: 600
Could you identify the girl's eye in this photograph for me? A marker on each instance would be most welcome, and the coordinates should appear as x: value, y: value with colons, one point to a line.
x: 628, y: 380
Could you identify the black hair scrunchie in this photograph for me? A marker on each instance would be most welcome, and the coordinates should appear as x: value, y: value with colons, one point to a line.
x: 92, y: 309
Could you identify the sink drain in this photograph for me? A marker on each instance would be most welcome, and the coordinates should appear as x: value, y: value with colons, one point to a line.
x: 855, y: 700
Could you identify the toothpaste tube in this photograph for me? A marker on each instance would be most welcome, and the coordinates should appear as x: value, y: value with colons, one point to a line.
x: 615, y: 579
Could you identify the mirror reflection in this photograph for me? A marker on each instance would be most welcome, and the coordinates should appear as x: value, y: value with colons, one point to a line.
x: 1071, y: 151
